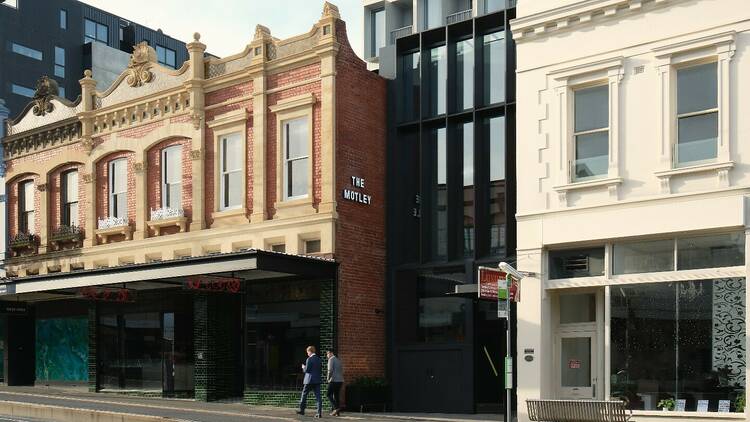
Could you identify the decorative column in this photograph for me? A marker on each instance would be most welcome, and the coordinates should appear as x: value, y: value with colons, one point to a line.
x: 43, y: 213
x: 327, y: 50
x: 141, y: 196
x: 260, y: 117
x: 88, y: 92
x: 194, y: 86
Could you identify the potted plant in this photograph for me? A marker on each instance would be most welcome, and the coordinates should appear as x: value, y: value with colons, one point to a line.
x: 666, y: 404
x: 366, y: 392
x: 739, y: 403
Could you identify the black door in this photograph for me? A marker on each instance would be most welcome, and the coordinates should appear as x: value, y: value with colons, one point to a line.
x: 435, y: 380
x: 20, y: 350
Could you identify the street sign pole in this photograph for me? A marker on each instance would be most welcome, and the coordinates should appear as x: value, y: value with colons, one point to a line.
x: 508, y: 356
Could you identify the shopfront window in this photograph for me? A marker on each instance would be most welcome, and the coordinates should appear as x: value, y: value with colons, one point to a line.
x: 442, y: 318
x: 282, y: 319
x: 684, y: 340
x: 570, y: 263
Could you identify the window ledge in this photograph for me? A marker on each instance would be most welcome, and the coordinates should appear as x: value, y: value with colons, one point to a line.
x: 157, y: 225
x: 229, y: 217
x: 610, y: 181
x: 294, y: 208
x: 726, y: 165
x: 105, y: 234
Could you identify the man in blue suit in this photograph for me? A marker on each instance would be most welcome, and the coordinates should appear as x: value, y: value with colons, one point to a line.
x: 313, y: 369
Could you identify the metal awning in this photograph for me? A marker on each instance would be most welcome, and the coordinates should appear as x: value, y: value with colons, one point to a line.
x: 249, y: 265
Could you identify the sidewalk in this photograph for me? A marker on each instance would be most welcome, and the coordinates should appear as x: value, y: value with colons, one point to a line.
x: 73, y: 404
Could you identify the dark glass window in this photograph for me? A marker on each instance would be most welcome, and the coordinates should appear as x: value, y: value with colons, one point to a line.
x: 118, y: 188
x: 95, y: 32
x: 410, y: 81
x: 643, y: 257
x: 724, y: 250
x: 493, y: 5
x: 439, y: 191
x: 495, y: 132
x: 282, y: 319
x: 377, y: 28
x: 591, y: 132
x: 63, y: 19
x: 442, y: 319
x: 468, y: 227
x: 494, y: 67
x: 464, y: 74
x: 69, y: 198
x: 59, y: 62
x: 682, y: 340
x: 312, y: 246
x: 171, y: 169
x: 697, y: 113
x: 437, y: 77
x: 26, y: 51
x: 571, y: 263
x: 433, y: 13
x: 26, y: 210
x: 165, y: 56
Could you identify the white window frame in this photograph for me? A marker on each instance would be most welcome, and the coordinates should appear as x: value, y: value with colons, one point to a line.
x: 28, y: 216
x: 288, y: 161
x: 717, y: 48
x: 574, y: 157
x: 66, y: 200
x: 234, y: 121
x: 224, y: 173
x: 113, y: 195
x: 566, y: 82
x: 165, y: 182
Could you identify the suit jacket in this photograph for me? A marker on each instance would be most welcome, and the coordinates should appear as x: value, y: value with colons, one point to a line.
x: 313, y: 370
x: 335, y: 370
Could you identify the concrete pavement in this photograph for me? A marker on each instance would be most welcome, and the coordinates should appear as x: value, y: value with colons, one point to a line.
x: 73, y: 405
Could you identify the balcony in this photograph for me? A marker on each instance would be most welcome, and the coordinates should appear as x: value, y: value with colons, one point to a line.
x: 458, y: 17
x: 113, y: 226
x: 66, y: 236
x: 167, y: 217
x: 24, y: 244
x: 400, y: 32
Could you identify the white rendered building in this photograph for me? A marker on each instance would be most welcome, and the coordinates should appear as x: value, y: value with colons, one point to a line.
x: 633, y: 160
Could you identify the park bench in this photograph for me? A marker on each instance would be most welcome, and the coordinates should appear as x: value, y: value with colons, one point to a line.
x: 578, y: 411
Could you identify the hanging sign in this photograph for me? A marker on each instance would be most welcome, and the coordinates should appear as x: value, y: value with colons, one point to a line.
x: 209, y: 283
x: 488, y: 279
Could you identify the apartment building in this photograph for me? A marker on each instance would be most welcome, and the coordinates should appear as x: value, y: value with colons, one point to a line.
x: 188, y: 232
x: 633, y: 190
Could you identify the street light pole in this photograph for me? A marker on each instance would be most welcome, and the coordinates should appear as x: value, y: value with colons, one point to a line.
x: 511, y: 273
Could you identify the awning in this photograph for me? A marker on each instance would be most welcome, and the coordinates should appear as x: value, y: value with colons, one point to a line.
x: 249, y: 265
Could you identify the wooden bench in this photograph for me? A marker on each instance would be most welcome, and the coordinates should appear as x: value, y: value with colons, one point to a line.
x: 578, y: 411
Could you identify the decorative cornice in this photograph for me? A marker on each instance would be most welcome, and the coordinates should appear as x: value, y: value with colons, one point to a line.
x: 580, y: 13
x: 33, y: 141
x: 294, y: 102
x: 46, y: 89
x: 231, y: 117
x: 140, y: 62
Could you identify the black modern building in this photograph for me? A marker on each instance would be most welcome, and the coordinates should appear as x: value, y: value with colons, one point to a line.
x: 61, y: 38
x: 451, y: 196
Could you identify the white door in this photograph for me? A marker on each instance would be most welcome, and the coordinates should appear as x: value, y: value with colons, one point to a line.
x: 577, y: 365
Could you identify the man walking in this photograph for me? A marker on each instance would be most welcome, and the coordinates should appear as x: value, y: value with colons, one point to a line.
x: 313, y: 370
x: 335, y: 381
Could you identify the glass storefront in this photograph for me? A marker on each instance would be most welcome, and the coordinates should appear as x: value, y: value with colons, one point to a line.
x: 683, y: 341
x: 282, y: 319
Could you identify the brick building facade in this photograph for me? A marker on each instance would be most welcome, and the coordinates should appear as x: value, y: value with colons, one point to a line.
x: 208, y: 200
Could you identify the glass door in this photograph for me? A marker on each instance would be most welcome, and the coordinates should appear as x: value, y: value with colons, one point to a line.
x: 168, y: 349
x: 577, y: 363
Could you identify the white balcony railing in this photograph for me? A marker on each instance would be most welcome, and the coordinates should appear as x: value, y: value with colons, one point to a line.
x: 166, y: 213
x: 400, y: 32
x: 458, y: 17
x: 111, y: 222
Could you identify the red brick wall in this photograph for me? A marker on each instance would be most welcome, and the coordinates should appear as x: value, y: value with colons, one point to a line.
x: 238, y: 91
x: 140, y: 131
x: 54, y: 186
x: 102, y: 184
x: 360, y: 231
x: 154, y: 175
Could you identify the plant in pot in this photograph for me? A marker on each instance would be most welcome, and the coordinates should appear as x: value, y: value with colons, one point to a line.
x: 366, y: 392
x: 739, y: 404
x: 666, y: 404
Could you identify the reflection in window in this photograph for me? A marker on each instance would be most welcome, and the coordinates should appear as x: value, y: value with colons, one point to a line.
x: 377, y: 27
x: 697, y: 113
x: 683, y: 340
x: 571, y: 263
x: 63, y: 19
x: 643, y: 257
x: 433, y: 12
x: 296, y: 158
x: 26, y: 51
x: 171, y: 169
x: 495, y: 130
x: 494, y: 67
x: 60, y: 62
x: 230, y: 184
x: 118, y: 188
x: 724, y: 250
x: 22, y: 90
x: 439, y: 191
x: 95, y: 32
x: 442, y: 319
x: 591, y: 132
x: 282, y: 318
x: 166, y: 56
x: 467, y: 134
x: 493, y: 5
x: 437, y: 78
x: 464, y: 74
x: 26, y: 213
x: 69, y: 198
x: 409, y: 103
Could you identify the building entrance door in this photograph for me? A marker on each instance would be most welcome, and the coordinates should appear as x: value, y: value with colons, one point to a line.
x: 577, y: 357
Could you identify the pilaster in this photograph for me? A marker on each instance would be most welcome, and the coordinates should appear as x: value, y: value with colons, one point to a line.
x: 196, y: 49
x: 141, y: 195
x: 43, y: 214
x: 90, y: 192
x: 260, y: 116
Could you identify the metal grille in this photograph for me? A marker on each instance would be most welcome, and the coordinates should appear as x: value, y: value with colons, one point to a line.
x: 458, y: 17
x: 401, y: 32
x: 578, y: 411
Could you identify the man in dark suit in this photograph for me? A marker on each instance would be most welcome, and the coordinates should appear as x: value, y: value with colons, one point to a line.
x: 313, y: 369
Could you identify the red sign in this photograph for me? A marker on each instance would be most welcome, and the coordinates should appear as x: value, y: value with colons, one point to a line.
x: 108, y: 294
x: 488, y: 279
x: 208, y: 283
x: 574, y: 364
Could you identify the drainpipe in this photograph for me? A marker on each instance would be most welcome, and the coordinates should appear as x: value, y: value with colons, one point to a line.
x: 4, y: 113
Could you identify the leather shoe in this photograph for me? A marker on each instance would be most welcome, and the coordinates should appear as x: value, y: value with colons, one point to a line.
x: 299, y: 412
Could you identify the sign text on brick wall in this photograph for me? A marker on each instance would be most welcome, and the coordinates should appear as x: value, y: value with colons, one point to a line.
x: 357, y: 196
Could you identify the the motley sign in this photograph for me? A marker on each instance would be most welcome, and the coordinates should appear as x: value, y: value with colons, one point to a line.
x: 107, y: 294
x: 488, y: 282
x: 354, y: 195
x: 209, y: 283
